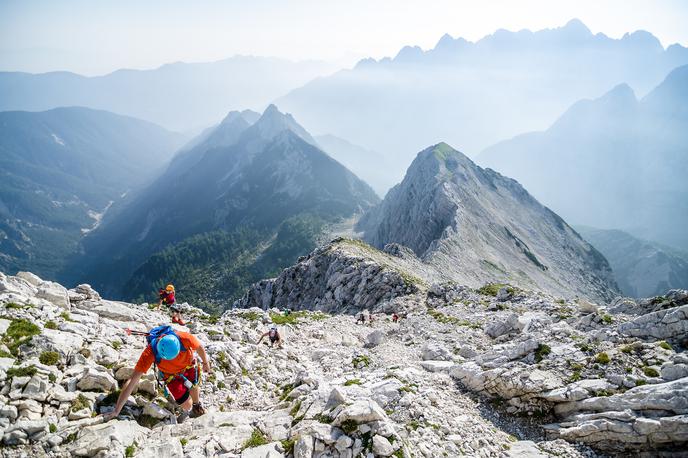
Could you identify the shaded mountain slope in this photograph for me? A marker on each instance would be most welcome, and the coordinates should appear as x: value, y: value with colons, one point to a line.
x: 60, y: 170
x: 474, y: 225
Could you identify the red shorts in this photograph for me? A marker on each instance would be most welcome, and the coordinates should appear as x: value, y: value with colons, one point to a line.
x: 177, y: 388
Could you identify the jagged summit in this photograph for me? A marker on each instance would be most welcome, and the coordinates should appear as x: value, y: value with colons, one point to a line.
x: 272, y: 122
x: 474, y: 225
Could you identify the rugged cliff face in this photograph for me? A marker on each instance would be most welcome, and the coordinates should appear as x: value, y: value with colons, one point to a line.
x: 497, y: 371
x: 474, y: 225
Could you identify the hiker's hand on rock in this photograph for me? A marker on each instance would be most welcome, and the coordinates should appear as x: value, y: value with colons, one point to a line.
x: 206, y: 367
x: 110, y: 416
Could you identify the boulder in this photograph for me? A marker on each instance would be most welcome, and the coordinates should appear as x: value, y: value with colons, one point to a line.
x: 36, y: 389
x: 54, y: 293
x: 381, y: 446
x: 360, y: 411
x: 95, y: 379
x: 264, y: 451
x: 94, y: 439
x: 116, y: 311
x: 433, y: 351
x: 32, y: 278
x: 502, y: 326
x: 374, y: 338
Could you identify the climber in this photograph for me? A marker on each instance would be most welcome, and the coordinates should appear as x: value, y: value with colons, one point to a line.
x: 360, y: 318
x: 166, y: 296
x: 177, y: 370
x: 395, y: 317
x: 273, y: 335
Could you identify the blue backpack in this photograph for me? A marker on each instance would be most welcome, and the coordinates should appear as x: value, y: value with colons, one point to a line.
x: 157, y: 332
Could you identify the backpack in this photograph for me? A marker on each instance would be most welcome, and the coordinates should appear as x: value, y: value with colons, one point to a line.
x: 157, y: 332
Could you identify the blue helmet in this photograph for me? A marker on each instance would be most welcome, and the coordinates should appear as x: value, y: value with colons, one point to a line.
x: 168, y: 346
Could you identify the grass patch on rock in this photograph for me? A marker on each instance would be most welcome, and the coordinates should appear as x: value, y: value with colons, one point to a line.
x: 19, y: 332
x: 353, y: 381
x: 49, y: 358
x: 256, y: 440
x: 602, y: 358
x: 27, y: 371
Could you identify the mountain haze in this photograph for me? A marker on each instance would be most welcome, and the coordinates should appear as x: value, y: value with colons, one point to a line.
x: 60, y: 170
x: 615, y: 162
x: 181, y: 96
x: 641, y: 268
x: 247, y: 196
x: 474, y: 226
x: 476, y: 94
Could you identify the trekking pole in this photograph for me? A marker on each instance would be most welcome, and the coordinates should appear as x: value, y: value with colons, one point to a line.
x: 132, y: 332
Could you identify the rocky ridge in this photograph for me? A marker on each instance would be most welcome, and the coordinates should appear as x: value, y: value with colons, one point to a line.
x: 474, y: 225
x: 491, y: 372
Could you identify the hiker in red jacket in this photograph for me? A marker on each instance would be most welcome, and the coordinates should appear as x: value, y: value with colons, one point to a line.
x: 166, y: 296
x: 174, y: 355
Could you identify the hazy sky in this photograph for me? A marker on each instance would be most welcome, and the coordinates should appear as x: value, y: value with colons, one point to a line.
x: 96, y: 36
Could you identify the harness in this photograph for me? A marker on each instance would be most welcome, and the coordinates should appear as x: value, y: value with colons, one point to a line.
x: 163, y: 380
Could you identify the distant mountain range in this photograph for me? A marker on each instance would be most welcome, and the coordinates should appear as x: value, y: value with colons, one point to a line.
x: 180, y: 96
x: 236, y: 205
x: 476, y: 94
x: 615, y: 162
x: 474, y: 226
x: 60, y: 170
x: 641, y: 268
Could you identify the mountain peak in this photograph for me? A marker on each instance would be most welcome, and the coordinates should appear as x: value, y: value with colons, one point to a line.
x: 272, y: 122
x: 577, y: 26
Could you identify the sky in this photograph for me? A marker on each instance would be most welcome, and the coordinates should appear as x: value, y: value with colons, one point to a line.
x: 94, y: 37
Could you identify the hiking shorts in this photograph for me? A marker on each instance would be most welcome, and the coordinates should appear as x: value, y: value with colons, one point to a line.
x: 178, y: 388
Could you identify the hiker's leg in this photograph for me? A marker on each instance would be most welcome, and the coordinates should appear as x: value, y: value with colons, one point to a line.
x: 195, y: 395
x: 186, y: 405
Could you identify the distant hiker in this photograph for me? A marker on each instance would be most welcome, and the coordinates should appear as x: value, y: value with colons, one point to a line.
x: 287, y: 312
x: 274, y: 336
x: 177, y: 370
x: 360, y: 318
x: 166, y: 296
x: 395, y: 317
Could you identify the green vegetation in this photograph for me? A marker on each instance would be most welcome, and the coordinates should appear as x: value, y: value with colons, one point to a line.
x: 50, y: 325
x: 116, y: 344
x: 409, y: 388
x: 295, y: 409
x: 227, y: 425
x: 353, y: 381
x: 602, y: 358
x: 285, y: 390
x: 216, y: 267
x: 413, y: 425
x: 147, y: 421
x: 183, y: 441
x: 52, y: 428
x: 295, y: 317
x: 49, y: 358
x: 288, y: 446
x: 627, y: 349
x: 607, y: 319
x: 257, y: 439
x: 640, y: 382
x: 349, y: 426
x: 360, y: 361
x: 71, y: 437
x: 15, y: 306
x: 130, y: 450
x: 81, y: 402
x: 65, y: 316
x: 491, y: 289
x: 28, y: 371
x: 323, y: 418
x: 663, y: 344
x: 251, y: 316
x: 399, y: 453
x: 585, y: 347
x: 19, y: 332
x: 541, y: 351
x: 52, y: 377
x: 650, y: 371
x: 111, y: 398
x: 657, y: 300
